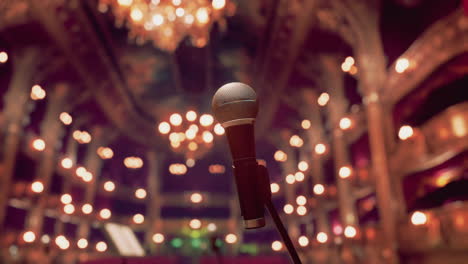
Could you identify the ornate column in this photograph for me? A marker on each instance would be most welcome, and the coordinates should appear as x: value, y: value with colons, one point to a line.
x: 289, y: 167
x: 51, y: 132
x: 333, y: 81
x: 17, y: 107
x: 315, y: 135
x: 93, y: 164
x: 71, y: 152
x: 154, y: 202
x: 358, y: 24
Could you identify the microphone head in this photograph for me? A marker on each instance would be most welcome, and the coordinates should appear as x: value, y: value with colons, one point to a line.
x: 235, y: 104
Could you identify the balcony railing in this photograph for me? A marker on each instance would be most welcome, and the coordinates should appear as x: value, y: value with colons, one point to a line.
x: 438, y: 140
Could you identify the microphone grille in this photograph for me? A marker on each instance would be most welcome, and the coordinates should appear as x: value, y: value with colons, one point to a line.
x: 234, y: 101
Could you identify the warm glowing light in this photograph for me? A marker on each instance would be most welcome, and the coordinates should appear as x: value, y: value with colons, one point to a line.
x: 37, y: 93
x: 303, y: 166
x: 350, y: 232
x: 45, y: 239
x: 202, y: 15
x: 66, y: 163
x: 101, y: 246
x: 206, y: 120
x: 276, y: 245
x: 299, y: 176
x: 195, y: 224
x: 87, y: 177
x: 177, y: 169
x: 345, y: 123
x: 158, y: 238
x: 290, y: 179
x: 66, y: 118
x: 459, y: 125
x: 138, y: 219
x: 218, y: 4
x: 320, y: 148
x: 39, y: 144
x: 164, y: 128
x: 82, y: 243
x: 319, y: 189
x: 66, y: 198
x: 301, y: 200
x: 231, y: 238
x: 322, y: 237
x: 418, y: 218
x: 175, y: 119
x: 37, y: 187
x: 105, y: 152
x: 81, y: 171
x: 405, y: 132
x: 87, y: 208
x: 191, y: 115
x: 191, y: 134
x: 29, y: 237
x: 125, y: 2
x: 3, y: 57
x: 105, y: 213
x: 190, y: 163
x: 306, y: 124
x: 109, y: 186
x: 158, y: 20
x: 83, y: 137
x: 207, y: 137
x: 218, y: 129
x: 353, y: 70
x: 180, y: 12
x: 133, y: 162
x: 274, y: 187
x: 402, y: 65
x: 196, y: 198
x: 344, y: 172
x: 211, y: 227
x: 296, y: 141
x: 301, y: 210
x: 62, y: 242
x: 323, y: 99
x: 140, y: 193
x: 303, y: 241
x: 175, y: 144
x: 337, y: 230
x: 69, y: 208
x: 136, y: 14
x: 216, y: 169
x: 288, y: 209
x: 280, y: 156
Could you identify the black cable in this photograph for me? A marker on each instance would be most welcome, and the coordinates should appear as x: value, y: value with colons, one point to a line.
x: 283, y: 232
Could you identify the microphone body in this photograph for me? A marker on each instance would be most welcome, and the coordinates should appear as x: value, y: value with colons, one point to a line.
x: 235, y: 107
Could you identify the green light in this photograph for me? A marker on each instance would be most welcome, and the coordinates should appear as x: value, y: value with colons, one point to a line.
x: 249, y: 248
x: 196, y: 243
x: 219, y: 243
x: 177, y: 242
x: 195, y: 234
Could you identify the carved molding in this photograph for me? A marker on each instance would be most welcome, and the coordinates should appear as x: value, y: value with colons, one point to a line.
x: 443, y: 41
x: 13, y: 12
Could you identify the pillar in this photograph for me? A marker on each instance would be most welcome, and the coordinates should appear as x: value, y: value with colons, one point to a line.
x: 153, y: 203
x: 93, y: 164
x: 16, y: 108
x: 51, y: 132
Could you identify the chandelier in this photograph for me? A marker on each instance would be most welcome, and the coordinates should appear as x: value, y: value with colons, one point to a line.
x: 191, y: 136
x: 167, y: 22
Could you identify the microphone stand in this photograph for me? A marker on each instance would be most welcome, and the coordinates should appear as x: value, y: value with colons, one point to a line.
x: 264, y: 182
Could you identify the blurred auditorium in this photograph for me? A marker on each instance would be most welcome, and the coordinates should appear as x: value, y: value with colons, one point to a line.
x: 111, y: 152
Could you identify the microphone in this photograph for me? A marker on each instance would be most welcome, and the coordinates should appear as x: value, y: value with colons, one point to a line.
x: 235, y: 106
